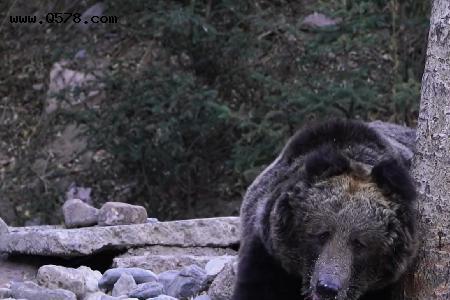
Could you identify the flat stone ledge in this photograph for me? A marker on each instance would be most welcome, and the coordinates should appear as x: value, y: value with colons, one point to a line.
x: 57, y: 241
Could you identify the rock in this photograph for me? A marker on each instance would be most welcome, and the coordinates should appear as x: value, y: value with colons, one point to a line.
x: 5, y: 293
x: 165, y: 250
x: 30, y: 290
x: 117, y: 213
x: 147, y: 290
x: 80, y: 281
x: 54, y: 277
x: 4, y: 229
x: 163, y: 297
x: 123, y: 297
x: 55, y: 241
x: 76, y: 86
x: 111, y: 276
x: 94, y: 296
x: 107, y: 297
x: 79, y: 214
x: 202, y: 297
x: 152, y: 220
x: 191, y: 281
x: 166, y: 278
x: 222, y: 287
x: 91, y: 278
x: 161, y: 263
x: 95, y: 10
x: 317, y: 20
x: 216, y: 265
x: 124, y: 285
x: 79, y: 192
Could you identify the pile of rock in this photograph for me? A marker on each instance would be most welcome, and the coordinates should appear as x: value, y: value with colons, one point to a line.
x: 188, y: 259
x: 80, y: 214
x: 61, y: 283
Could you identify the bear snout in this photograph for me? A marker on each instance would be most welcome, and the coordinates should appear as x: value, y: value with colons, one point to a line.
x: 328, y: 287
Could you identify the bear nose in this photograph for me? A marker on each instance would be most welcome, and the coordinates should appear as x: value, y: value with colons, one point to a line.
x: 327, y: 289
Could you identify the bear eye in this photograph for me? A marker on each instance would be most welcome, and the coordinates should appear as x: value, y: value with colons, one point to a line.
x: 322, y: 236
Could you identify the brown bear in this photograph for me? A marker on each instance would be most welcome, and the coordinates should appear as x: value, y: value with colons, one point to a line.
x: 332, y: 217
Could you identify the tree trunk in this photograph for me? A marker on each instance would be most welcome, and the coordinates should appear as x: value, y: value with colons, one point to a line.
x: 431, y: 166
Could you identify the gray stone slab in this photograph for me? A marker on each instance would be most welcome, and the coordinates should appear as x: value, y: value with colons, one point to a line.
x: 161, y: 263
x: 211, y: 232
x: 165, y: 250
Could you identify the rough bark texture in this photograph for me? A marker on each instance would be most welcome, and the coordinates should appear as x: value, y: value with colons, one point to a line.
x: 431, y: 166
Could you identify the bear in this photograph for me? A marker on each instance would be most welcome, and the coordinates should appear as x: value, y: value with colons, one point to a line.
x: 332, y: 217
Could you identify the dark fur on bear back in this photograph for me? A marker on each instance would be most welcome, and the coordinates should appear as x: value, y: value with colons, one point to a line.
x: 337, y: 133
x: 314, y: 154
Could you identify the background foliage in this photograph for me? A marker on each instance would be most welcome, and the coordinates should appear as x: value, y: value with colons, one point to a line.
x: 200, y: 95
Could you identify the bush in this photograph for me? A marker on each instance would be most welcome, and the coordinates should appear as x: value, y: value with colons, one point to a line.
x: 202, y: 94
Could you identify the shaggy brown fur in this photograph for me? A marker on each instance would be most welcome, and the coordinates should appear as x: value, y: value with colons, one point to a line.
x: 331, y: 218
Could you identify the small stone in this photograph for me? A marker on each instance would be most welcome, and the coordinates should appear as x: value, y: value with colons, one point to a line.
x: 191, y: 281
x: 79, y: 192
x: 30, y: 290
x: 91, y: 278
x: 108, y: 297
x: 166, y: 278
x: 5, y: 293
x: 147, y: 290
x: 4, y: 229
x: 152, y: 220
x: 94, y: 296
x: 124, y: 285
x: 95, y: 10
x: 117, y: 213
x: 79, y: 214
x: 111, y: 276
x: 223, y: 285
x: 202, y: 297
x: 214, y: 266
x: 53, y: 277
x: 317, y: 20
x: 81, y: 54
x: 163, y: 297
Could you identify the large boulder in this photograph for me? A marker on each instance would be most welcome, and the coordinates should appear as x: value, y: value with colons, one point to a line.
x: 54, y: 277
x: 79, y: 281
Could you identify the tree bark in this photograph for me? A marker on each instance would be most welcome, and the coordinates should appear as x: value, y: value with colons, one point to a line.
x: 431, y: 165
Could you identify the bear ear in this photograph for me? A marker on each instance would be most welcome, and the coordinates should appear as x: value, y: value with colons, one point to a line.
x: 324, y: 163
x: 392, y: 176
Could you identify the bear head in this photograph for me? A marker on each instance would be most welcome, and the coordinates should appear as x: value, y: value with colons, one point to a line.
x: 344, y: 228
